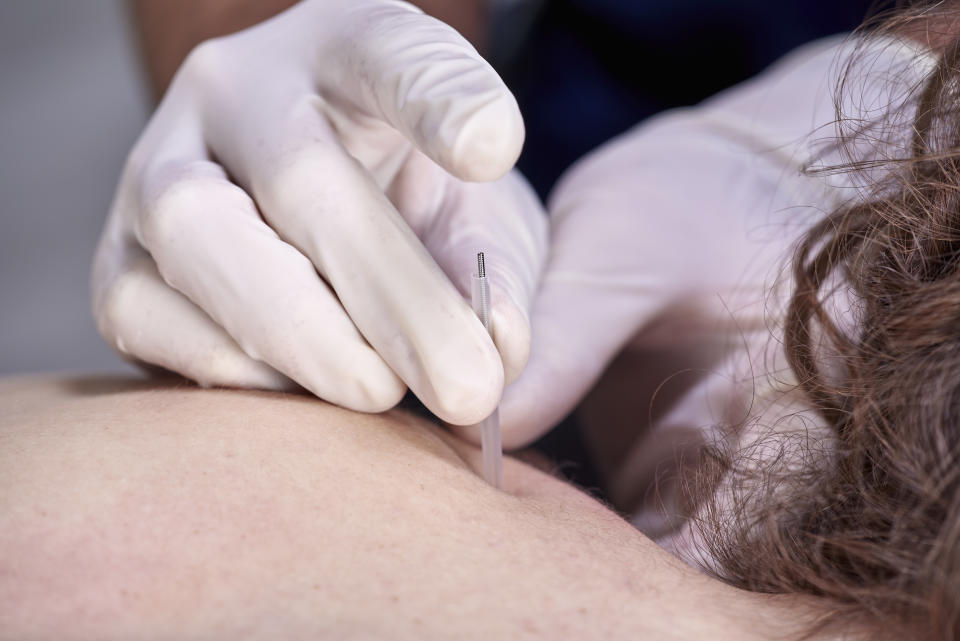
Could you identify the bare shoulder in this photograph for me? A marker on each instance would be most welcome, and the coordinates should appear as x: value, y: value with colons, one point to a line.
x: 129, y: 506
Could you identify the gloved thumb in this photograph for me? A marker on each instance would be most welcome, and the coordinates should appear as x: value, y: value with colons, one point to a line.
x: 424, y: 79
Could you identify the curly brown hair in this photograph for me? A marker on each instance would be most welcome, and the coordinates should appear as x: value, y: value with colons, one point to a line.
x: 875, y: 532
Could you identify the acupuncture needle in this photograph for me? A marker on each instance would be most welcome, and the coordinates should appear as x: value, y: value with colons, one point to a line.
x: 490, y: 427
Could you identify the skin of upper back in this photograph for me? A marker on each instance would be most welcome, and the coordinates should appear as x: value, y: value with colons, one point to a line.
x: 138, y: 510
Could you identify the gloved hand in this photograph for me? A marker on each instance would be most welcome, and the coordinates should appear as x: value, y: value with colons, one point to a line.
x: 298, y: 210
x: 673, y: 233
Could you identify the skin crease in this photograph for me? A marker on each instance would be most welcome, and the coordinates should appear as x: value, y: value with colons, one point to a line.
x: 138, y: 510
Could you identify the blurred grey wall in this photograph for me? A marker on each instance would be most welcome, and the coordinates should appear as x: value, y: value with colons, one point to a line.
x: 72, y: 102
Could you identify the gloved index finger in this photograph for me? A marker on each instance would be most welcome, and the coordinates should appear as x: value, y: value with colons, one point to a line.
x: 424, y: 79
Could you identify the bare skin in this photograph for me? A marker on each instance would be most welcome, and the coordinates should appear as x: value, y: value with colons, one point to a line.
x: 132, y: 510
x: 169, y: 29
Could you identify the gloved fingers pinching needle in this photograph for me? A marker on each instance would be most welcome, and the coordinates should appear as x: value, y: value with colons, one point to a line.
x: 245, y: 194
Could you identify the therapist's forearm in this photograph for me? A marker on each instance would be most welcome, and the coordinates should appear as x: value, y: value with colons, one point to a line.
x: 169, y: 29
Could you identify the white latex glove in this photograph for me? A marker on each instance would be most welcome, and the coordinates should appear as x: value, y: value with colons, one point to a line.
x: 672, y: 233
x: 297, y: 210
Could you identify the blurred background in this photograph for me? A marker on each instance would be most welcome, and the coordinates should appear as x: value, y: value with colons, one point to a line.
x: 73, y: 97
x: 72, y: 102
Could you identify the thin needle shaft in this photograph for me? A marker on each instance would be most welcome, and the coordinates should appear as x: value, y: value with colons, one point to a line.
x: 490, y: 427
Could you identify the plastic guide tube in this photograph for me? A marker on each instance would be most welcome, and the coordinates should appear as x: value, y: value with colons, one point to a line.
x: 490, y: 427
